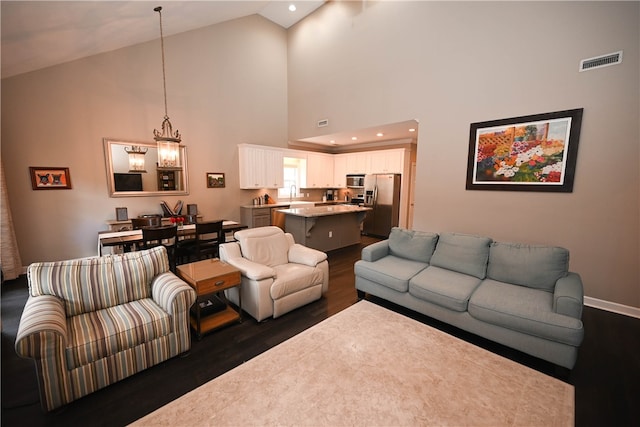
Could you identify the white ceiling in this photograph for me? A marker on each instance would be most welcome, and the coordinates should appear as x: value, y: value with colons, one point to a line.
x: 39, y: 34
x: 398, y: 132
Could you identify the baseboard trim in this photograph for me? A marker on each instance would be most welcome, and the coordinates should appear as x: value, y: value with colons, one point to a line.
x: 614, y: 307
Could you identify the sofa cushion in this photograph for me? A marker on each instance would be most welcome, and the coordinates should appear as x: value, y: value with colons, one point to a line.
x: 413, y: 245
x: 266, y: 245
x: 525, y: 310
x: 89, y: 284
x: 446, y: 288
x: 390, y: 271
x: 291, y: 278
x: 462, y: 253
x: 95, y: 335
x: 527, y: 265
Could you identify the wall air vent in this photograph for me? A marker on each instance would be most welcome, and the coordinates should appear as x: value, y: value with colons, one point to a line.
x: 601, y: 61
x: 323, y: 123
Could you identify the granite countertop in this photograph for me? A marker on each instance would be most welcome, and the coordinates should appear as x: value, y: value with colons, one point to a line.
x: 324, y: 210
x: 295, y: 202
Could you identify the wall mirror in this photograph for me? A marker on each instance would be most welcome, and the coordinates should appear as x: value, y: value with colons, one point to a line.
x: 132, y: 170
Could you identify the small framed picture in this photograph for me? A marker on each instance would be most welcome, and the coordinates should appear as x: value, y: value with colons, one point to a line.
x: 215, y: 180
x: 50, y: 178
x: 121, y: 214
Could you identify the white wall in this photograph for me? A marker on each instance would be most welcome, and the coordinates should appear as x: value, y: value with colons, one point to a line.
x: 449, y: 64
x: 226, y: 84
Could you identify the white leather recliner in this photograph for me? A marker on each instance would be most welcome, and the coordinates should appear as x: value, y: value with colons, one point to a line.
x: 278, y: 275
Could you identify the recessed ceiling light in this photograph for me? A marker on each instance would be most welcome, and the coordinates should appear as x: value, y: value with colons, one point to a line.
x: 292, y: 8
x: 379, y: 134
x: 354, y: 138
x: 412, y: 130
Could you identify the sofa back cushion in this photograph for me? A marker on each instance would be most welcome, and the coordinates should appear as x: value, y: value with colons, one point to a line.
x: 91, y: 284
x: 463, y: 253
x: 527, y: 265
x: 412, y: 245
x: 264, y: 245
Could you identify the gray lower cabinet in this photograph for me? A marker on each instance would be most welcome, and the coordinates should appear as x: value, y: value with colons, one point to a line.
x: 255, y: 217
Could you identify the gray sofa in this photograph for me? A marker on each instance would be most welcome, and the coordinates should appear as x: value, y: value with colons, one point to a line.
x: 522, y: 296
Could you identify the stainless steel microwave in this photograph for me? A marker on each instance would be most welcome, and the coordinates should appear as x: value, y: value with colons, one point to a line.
x: 355, y: 181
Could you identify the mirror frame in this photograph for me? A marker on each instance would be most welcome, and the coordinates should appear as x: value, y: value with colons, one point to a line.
x: 111, y: 142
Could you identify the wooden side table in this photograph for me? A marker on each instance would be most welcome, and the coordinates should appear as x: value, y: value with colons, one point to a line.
x: 210, y: 277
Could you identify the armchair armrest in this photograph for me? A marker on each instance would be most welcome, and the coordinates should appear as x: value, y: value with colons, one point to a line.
x: 171, y: 293
x: 375, y: 251
x: 42, y: 332
x: 252, y: 270
x: 568, y: 296
x: 300, y: 254
x: 231, y: 254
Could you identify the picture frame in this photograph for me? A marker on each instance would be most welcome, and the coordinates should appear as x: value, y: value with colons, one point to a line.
x: 215, y: 180
x: 527, y: 153
x: 50, y: 178
x: 122, y: 214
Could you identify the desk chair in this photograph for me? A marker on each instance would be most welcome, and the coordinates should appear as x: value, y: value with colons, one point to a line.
x: 207, y: 240
x: 166, y: 236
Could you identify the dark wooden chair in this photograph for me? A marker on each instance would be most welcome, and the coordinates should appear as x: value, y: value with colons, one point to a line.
x: 205, y: 244
x: 166, y: 236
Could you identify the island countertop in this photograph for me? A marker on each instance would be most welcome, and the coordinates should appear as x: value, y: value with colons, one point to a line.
x: 311, y: 212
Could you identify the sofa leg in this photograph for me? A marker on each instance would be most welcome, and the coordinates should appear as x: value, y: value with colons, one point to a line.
x: 361, y: 294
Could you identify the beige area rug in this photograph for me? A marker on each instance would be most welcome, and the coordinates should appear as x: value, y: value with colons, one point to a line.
x: 373, y: 367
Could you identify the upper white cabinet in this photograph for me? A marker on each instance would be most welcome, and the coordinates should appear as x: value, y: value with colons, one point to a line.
x: 320, y: 170
x: 263, y: 166
x: 386, y: 161
x: 357, y: 162
x: 381, y: 161
x: 260, y: 166
x: 340, y: 171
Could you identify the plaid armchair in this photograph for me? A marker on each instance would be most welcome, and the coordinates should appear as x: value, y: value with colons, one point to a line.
x: 91, y: 322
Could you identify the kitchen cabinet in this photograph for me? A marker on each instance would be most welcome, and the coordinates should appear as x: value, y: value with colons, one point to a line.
x: 357, y: 162
x: 260, y: 166
x: 386, y: 161
x: 340, y: 171
x: 255, y: 217
x: 320, y: 170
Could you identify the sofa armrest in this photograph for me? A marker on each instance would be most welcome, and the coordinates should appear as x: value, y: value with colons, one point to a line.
x: 172, y: 293
x: 375, y: 251
x: 252, y: 270
x: 42, y: 332
x: 568, y: 296
x: 300, y: 254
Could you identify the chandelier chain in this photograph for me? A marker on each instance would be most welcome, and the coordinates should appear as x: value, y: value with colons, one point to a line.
x: 164, y: 77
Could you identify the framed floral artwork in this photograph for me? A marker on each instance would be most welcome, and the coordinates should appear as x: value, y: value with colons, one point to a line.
x: 528, y: 153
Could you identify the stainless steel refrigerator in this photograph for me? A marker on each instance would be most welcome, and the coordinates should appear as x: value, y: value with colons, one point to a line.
x: 382, y: 194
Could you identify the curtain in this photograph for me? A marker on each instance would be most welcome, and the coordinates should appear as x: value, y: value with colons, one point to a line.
x: 9, y: 254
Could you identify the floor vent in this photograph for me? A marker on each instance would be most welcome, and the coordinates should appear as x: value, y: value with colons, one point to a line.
x: 601, y: 61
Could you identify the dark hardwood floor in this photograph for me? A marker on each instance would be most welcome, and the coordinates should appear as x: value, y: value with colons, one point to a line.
x: 606, y: 376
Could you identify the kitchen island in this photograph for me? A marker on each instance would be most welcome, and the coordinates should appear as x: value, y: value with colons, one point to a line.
x: 325, y: 227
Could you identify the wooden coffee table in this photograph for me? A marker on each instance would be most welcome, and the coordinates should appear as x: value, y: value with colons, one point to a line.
x: 210, y: 278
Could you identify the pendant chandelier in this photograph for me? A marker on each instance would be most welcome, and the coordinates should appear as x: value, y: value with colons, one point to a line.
x: 136, y: 158
x: 167, y: 140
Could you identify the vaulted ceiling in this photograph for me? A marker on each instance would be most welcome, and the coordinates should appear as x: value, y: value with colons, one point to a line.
x: 39, y: 34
